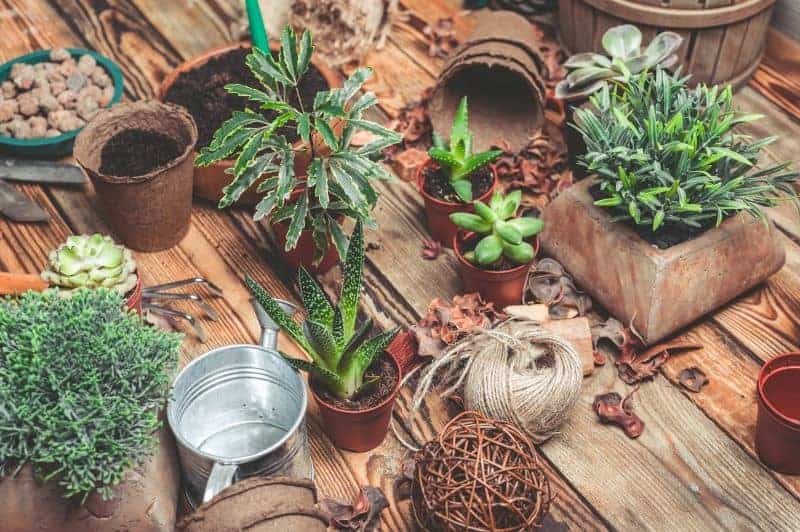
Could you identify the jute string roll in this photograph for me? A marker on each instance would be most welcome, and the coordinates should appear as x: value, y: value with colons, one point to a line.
x: 516, y: 372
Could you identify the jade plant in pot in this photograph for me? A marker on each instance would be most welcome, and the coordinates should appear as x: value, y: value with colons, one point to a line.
x: 305, y: 211
x: 671, y: 224
x: 497, y: 249
x: 94, y: 261
x: 454, y: 176
x: 353, y: 379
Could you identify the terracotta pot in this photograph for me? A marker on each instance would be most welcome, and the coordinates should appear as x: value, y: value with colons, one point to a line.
x: 134, y: 299
x: 437, y: 212
x: 210, y: 180
x: 501, y: 287
x: 359, y: 430
x: 303, y: 253
x: 778, y: 425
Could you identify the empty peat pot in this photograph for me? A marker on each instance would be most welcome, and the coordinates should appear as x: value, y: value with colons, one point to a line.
x: 778, y: 425
x: 148, y: 212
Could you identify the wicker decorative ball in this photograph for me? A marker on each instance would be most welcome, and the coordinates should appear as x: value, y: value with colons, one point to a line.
x: 480, y: 474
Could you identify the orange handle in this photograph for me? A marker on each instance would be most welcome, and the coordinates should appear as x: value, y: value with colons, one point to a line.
x: 17, y: 283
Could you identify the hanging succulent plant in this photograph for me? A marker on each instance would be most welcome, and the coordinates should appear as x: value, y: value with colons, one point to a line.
x: 589, y: 71
x: 91, y: 261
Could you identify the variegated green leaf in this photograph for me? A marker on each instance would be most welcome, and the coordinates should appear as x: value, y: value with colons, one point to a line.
x: 288, y: 54
x: 317, y: 173
x: 351, y: 285
x: 274, y: 311
x: 298, y: 222
x: 304, y: 57
x: 354, y: 366
x: 315, y: 301
x: 322, y: 341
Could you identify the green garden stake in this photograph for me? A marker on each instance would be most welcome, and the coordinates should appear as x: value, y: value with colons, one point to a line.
x: 258, y: 35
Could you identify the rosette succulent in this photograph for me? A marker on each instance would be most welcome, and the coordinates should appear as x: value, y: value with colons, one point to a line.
x: 589, y: 71
x: 92, y: 261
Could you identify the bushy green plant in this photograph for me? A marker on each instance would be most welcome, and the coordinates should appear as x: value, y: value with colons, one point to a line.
x: 589, y: 71
x: 340, y: 353
x: 456, y: 158
x: 503, y: 233
x: 81, y: 385
x: 667, y: 154
x: 339, y: 178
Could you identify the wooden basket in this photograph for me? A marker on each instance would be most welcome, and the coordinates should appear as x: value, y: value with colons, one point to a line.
x: 723, y: 39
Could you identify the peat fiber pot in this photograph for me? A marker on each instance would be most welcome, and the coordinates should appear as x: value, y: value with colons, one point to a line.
x: 148, y: 212
x: 501, y: 287
x: 437, y: 211
x: 145, y: 501
x: 659, y: 290
x: 359, y: 430
x: 778, y: 425
x: 210, y: 180
x: 722, y: 41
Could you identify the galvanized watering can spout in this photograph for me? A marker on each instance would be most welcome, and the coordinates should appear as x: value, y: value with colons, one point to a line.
x: 270, y: 329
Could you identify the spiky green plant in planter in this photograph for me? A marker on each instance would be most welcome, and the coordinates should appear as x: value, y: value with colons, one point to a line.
x: 665, y: 154
x: 340, y: 352
x: 456, y: 158
x: 502, y: 233
x: 589, y: 71
x: 339, y: 178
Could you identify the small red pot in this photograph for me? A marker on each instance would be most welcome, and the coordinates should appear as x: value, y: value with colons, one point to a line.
x: 437, y: 212
x: 134, y: 299
x: 359, y: 430
x: 778, y: 424
x: 303, y: 253
x: 501, y: 287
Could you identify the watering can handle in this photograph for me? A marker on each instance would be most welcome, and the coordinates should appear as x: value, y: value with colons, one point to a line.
x: 220, y: 478
x: 270, y: 329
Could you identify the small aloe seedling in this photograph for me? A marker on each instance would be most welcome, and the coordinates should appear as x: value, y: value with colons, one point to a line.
x: 504, y: 234
x: 340, y: 353
x: 457, y: 159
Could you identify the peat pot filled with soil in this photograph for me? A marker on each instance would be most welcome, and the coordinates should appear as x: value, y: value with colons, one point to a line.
x: 138, y: 156
x: 199, y: 86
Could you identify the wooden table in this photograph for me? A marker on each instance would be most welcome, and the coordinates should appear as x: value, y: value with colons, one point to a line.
x: 695, y: 465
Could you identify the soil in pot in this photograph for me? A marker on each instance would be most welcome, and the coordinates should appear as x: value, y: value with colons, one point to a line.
x: 438, y: 185
x: 202, y: 92
x: 383, y: 368
x: 134, y: 152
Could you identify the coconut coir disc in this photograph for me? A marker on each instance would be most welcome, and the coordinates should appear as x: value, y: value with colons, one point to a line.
x: 276, y: 504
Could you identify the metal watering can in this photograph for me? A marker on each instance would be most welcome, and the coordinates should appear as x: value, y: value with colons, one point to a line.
x: 239, y: 411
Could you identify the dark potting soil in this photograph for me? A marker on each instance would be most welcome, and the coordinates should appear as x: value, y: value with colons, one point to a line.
x: 202, y: 92
x: 382, y: 367
x: 503, y: 264
x: 134, y: 152
x: 668, y: 235
x: 438, y: 185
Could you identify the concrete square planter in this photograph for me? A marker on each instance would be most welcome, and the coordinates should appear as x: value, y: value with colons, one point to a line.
x: 659, y: 290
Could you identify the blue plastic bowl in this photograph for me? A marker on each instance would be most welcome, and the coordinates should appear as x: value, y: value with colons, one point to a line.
x: 60, y: 146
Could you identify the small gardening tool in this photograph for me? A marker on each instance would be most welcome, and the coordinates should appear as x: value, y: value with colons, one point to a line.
x: 16, y: 206
x: 158, y: 293
x: 257, y: 33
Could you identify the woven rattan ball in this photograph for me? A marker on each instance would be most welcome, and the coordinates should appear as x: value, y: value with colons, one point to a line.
x: 480, y: 474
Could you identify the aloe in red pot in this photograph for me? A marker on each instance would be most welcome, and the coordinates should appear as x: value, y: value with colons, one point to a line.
x: 353, y: 379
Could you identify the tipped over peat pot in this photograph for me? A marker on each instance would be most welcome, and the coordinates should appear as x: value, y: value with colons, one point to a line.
x: 149, y: 208
x: 778, y: 422
x: 658, y: 290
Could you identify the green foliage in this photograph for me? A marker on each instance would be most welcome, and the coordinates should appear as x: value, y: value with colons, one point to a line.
x: 339, y: 177
x: 588, y: 71
x: 666, y: 154
x: 457, y: 159
x: 340, y: 353
x: 81, y: 385
x: 503, y: 232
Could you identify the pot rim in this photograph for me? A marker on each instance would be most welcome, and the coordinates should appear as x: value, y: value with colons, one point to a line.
x: 379, y: 406
x: 441, y: 203
x: 769, y: 368
x: 462, y: 236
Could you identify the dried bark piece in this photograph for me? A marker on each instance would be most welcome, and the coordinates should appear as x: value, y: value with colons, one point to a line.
x: 441, y: 37
x: 635, y: 365
x: 611, y: 408
x: 431, y: 249
x: 406, y: 163
x: 693, y: 379
x: 362, y: 515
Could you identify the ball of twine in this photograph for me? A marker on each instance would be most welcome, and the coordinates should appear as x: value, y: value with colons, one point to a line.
x: 480, y: 474
x: 516, y: 372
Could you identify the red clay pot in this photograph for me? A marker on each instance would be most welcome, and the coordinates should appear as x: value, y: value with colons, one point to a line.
x: 134, y: 299
x: 303, y: 253
x: 437, y: 212
x: 359, y: 430
x: 778, y: 424
x: 502, y: 287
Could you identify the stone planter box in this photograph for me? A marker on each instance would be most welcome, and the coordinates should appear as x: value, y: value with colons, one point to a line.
x: 658, y: 290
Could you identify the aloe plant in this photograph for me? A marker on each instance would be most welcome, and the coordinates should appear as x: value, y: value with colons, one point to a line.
x: 457, y: 159
x: 589, y: 71
x: 340, y: 352
x: 503, y: 233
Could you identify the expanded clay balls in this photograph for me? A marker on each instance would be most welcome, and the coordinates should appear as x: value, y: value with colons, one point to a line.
x: 50, y: 98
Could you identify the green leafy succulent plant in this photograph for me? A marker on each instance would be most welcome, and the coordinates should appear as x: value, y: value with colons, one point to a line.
x: 665, y: 154
x: 340, y: 352
x: 339, y: 176
x: 91, y: 261
x: 457, y: 159
x: 589, y: 71
x: 503, y: 233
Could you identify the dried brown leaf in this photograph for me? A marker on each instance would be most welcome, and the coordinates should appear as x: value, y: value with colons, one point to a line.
x: 431, y: 249
x: 362, y: 515
x: 693, y: 379
x: 611, y: 408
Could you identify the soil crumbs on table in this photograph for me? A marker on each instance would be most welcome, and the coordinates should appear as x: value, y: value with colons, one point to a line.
x: 438, y: 185
x: 382, y: 367
x: 135, y: 152
x: 202, y: 92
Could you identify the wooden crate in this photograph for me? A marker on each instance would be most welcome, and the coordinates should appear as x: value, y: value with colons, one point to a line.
x: 723, y: 39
